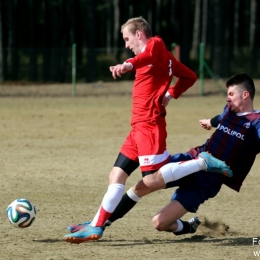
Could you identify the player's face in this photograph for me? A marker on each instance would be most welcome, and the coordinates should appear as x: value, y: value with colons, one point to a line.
x: 131, y: 40
x: 235, y: 98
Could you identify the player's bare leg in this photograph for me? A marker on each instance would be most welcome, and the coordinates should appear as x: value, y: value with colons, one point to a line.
x: 94, y: 230
x: 165, y: 219
x: 168, y: 219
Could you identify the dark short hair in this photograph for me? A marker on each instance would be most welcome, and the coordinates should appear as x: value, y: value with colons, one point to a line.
x: 138, y: 23
x: 244, y: 81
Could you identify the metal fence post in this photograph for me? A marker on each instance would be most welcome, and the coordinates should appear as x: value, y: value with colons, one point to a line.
x: 74, y: 45
x: 201, y: 69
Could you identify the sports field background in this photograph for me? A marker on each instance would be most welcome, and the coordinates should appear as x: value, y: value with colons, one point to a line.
x: 57, y: 151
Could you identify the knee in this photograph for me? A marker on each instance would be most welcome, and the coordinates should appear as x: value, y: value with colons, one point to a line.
x: 117, y: 175
x: 157, y: 223
x: 140, y: 189
x: 153, y: 182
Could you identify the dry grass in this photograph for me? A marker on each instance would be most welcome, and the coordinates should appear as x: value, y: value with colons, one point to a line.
x: 57, y: 151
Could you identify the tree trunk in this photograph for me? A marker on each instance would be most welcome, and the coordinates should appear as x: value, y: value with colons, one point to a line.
x: 1, y: 48
x: 157, y: 17
x: 76, y: 35
x: 174, y: 24
x: 185, y: 40
x: 116, y: 29
x: 150, y: 15
x: 236, y: 28
x: 204, y: 22
x: 91, y: 55
x: 218, y: 44
x: 228, y: 8
x: 56, y: 48
x: 108, y: 25
x: 12, y: 41
x: 252, y: 24
x: 252, y: 38
x: 46, y: 42
x: 32, y: 51
x: 131, y: 9
x: 196, y: 32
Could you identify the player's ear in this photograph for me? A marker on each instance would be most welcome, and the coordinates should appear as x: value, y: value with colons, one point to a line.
x: 245, y: 94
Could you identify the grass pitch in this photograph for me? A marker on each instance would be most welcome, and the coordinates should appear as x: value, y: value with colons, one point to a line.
x: 57, y: 151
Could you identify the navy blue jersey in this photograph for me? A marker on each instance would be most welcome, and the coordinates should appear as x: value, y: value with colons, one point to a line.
x: 235, y: 141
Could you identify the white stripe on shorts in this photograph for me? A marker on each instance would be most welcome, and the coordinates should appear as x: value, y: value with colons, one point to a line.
x: 145, y: 160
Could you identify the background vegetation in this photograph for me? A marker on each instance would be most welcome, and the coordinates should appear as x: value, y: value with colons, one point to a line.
x: 36, y: 36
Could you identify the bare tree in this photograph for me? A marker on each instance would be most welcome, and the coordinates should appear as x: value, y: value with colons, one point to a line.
x: 131, y: 9
x: 157, y: 17
x: 196, y: 31
x: 116, y: 28
x: 108, y: 25
x: 32, y: 51
x: 91, y: 54
x: 252, y: 36
x: 150, y: 15
x: 252, y: 24
x: 236, y: 27
x: 173, y: 21
x: 204, y: 21
x: 219, y: 40
x: 46, y: 41
x: 56, y: 50
x: 185, y: 39
x: 76, y: 29
x: 1, y: 48
x: 12, y: 40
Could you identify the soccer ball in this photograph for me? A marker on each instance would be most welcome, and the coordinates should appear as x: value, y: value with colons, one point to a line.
x: 21, y: 213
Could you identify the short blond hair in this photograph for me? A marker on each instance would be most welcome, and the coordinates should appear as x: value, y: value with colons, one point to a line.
x: 138, y: 23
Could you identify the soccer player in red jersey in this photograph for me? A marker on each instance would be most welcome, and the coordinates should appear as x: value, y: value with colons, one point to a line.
x: 145, y: 145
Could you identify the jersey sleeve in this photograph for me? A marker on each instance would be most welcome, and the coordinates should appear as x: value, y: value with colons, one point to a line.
x: 214, y: 121
x: 257, y: 126
x: 225, y: 110
x: 149, y: 55
x: 186, y: 78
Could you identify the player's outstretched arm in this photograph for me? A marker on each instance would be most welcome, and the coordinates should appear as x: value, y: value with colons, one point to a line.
x: 205, y: 123
x: 120, y: 69
x: 209, y: 123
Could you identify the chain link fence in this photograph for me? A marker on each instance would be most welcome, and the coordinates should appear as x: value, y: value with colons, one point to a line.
x: 92, y: 65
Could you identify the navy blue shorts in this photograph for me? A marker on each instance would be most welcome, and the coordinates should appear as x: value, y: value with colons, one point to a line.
x: 195, y: 188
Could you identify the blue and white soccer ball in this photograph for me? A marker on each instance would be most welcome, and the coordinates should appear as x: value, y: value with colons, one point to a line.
x: 21, y: 213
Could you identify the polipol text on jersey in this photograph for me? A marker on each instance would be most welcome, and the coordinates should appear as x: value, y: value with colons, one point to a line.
x: 230, y: 132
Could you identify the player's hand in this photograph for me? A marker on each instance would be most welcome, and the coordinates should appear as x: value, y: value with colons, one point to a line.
x: 120, y: 69
x: 165, y: 101
x: 205, y: 123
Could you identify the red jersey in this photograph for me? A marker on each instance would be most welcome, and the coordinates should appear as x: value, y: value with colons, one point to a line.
x: 155, y: 66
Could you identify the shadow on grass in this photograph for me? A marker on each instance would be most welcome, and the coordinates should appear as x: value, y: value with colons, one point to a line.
x: 225, y: 241
x: 47, y: 240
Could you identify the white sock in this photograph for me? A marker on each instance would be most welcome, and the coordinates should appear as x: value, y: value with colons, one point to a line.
x: 180, y: 226
x: 132, y: 195
x: 175, y: 171
x: 111, y: 199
